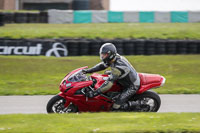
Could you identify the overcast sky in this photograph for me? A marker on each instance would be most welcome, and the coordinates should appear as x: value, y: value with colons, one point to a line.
x: 155, y: 5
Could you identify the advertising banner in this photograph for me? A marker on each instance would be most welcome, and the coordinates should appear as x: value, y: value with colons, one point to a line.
x: 33, y: 48
x: 78, y: 47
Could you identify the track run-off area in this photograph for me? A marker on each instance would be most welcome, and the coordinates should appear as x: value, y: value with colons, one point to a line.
x: 37, y: 104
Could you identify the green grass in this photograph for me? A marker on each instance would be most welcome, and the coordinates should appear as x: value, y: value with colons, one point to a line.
x: 23, y: 75
x: 107, y: 30
x: 102, y: 123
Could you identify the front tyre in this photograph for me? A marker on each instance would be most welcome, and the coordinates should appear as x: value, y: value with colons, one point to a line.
x: 150, y: 101
x: 57, y: 105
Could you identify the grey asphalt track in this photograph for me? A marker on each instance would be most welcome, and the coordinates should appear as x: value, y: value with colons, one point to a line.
x: 37, y: 104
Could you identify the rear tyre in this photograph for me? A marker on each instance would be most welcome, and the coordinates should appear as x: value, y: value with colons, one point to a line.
x: 57, y: 105
x: 150, y: 101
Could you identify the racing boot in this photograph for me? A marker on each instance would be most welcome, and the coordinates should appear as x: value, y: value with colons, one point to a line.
x: 130, y: 105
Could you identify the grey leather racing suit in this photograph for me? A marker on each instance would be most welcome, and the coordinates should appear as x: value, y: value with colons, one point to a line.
x: 124, y: 73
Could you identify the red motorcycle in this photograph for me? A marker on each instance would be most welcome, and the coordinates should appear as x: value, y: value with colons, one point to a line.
x: 76, y: 84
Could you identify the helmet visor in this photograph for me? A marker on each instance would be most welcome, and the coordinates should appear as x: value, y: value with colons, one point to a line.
x: 103, y: 56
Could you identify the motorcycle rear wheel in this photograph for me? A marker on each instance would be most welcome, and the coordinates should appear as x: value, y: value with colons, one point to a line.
x: 56, y: 105
x: 150, y: 101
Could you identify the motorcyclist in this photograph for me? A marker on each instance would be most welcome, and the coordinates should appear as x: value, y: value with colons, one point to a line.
x: 122, y: 71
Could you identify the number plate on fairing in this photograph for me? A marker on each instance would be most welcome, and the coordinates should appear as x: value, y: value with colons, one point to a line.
x: 105, y: 78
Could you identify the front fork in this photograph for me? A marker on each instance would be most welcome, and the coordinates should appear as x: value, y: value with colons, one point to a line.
x: 67, y: 103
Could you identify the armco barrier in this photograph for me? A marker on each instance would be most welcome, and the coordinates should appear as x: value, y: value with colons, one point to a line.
x: 76, y: 47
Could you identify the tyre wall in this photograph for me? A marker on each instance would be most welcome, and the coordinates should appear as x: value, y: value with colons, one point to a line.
x: 2, y: 19
x: 24, y: 17
x: 77, y: 47
x: 68, y: 16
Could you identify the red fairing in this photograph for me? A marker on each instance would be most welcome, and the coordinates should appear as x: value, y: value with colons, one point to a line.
x: 148, y: 81
x: 78, y: 86
x: 69, y: 88
x: 72, y: 72
x: 75, y: 85
x: 101, y: 79
x: 96, y: 104
x: 61, y: 94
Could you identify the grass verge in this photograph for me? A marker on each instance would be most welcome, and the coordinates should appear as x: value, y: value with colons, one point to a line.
x: 102, y: 123
x: 106, y: 30
x: 23, y: 75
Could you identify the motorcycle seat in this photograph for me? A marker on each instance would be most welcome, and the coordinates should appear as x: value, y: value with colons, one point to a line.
x: 146, y: 79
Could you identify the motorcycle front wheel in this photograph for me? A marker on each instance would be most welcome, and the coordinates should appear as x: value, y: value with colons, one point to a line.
x: 150, y: 102
x: 56, y: 105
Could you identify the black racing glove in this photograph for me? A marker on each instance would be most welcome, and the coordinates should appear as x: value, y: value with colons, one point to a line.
x: 92, y: 94
x: 85, y: 71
